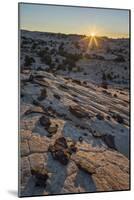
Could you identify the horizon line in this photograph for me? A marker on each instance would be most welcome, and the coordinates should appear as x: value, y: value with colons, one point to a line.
x: 128, y: 37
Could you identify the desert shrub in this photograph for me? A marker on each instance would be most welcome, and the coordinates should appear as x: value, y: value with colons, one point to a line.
x: 87, y: 56
x: 25, y: 42
x: 34, y: 46
x: 52, y: 65
x: 59, y: 67
x: 28, y: 60
x: 109, y: 76
x: 104, y: 76
x: 53, y: 51
x: 46, y: 58
x: 57, y: 60
x: 42, y: 52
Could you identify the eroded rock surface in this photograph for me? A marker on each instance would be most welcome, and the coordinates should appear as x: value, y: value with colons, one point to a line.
x: 74, y: 130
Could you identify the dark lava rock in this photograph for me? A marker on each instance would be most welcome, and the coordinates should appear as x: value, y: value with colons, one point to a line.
x: 57, y: 96
x: 108, y: 117
x: 73, y: 148
x: 36, y: 103
x: 44, y: 121
x: 31, y: 78
x: 118, y: 118
x: 100, y: 116
x: 84, y: 82
x: 43, y: 95
x: 60, y: 150
x: 41, y: 177
x: 85, y: 134
x: 61, y: 143
x: 78, y: 111
x: 115, y: 95
x: 61, y: 156
x: 109, y: 140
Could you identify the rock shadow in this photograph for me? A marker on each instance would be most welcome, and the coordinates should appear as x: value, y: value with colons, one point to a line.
x: 85, y: 181
x: 58, y: 175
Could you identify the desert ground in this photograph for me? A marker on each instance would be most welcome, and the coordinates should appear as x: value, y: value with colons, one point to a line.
x: 74, y: 114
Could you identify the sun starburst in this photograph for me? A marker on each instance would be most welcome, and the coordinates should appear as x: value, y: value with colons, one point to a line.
x: 91, y: 41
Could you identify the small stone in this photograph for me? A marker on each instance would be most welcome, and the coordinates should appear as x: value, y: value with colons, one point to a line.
x: 80, y: 139
x: 31, y: 78
x: 84, y: 82
x: 100, y: 116
x: 73, y: 148
x: 44, y: 121
x: 97, y: 134
x: 36, y: 103
x: 43, y: 95
x: 85, y: 134
x: 108, y: 117
x: 118, y: 118
x: 52, y: 129
x: 115, y: 95
x: 57, y: 96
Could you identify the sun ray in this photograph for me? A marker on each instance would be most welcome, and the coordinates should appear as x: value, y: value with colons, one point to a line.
x: 96, y: 42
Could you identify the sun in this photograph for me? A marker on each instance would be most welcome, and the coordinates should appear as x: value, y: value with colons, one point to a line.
x: 92, y: 40
x: 92, y: 34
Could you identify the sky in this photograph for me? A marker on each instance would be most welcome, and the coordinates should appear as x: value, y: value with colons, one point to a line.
x: 74, y: 20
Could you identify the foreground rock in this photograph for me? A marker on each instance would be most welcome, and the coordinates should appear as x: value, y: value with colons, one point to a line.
x: 61, y: 151
x: 108, y: 168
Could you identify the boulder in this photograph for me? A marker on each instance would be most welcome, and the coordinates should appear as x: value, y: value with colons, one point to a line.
x: 109, y: 169
x: 61, y: 151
